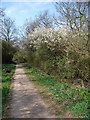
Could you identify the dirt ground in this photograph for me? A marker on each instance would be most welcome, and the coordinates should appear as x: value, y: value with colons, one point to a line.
x: 25, y: 100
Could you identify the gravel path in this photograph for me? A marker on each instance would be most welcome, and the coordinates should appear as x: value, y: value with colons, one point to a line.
x: 25, y: 101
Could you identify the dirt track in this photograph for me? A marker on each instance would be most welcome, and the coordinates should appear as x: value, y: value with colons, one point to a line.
x: 25, y: 101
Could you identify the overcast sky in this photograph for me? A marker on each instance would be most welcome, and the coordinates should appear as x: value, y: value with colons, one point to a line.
x: 20, y: 11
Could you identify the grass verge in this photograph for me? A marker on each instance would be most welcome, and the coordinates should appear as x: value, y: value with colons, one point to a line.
x: 61, y: 94
x: 7, y: 74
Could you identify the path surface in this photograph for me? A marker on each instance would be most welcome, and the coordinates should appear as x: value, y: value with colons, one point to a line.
x: 25, y: 101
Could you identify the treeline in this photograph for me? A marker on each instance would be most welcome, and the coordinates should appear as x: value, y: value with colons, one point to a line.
x: 60, y: 50
x: 58, y: 44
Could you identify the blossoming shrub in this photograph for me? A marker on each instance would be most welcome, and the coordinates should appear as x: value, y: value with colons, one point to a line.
x: 58, y: 52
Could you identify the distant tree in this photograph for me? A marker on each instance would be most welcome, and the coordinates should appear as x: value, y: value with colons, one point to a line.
x: 42, y: 20
x: 31, y: 25
x: 20, y: 56
x: 45, y: 19
x: 8, y: 31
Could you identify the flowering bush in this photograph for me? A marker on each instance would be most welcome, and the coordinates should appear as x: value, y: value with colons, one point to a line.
x: 57, y: 51
x: 54, y: 40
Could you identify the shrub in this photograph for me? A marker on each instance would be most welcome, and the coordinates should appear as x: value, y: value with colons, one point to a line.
x: 63, y: 55
x: 8, y: 52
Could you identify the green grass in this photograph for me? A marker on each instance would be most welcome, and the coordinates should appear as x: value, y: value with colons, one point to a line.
x: 6, y: 81
x: 67, y: 97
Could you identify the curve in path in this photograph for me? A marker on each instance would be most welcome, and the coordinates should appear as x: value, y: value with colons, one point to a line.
x: 25, y: 101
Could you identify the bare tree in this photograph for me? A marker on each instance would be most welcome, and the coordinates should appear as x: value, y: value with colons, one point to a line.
x: 42, y: 20
x: 45, y: 19
x: 8, y: 31
x: 72, y: 14
x: 31, y: 25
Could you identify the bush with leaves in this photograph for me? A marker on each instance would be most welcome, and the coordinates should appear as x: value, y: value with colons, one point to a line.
x: 58, y: 52
x: 8, y: 52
